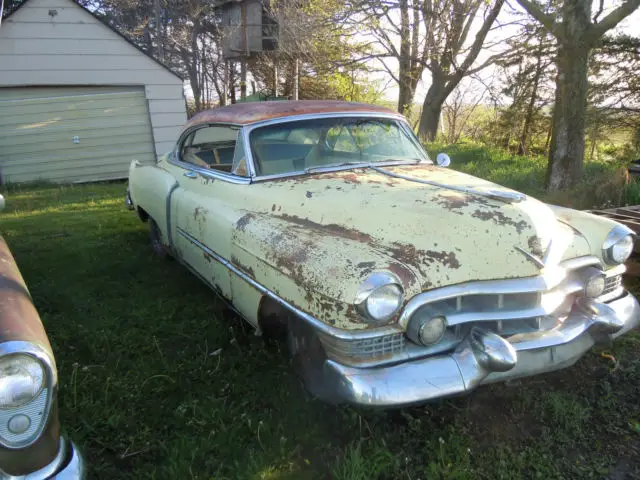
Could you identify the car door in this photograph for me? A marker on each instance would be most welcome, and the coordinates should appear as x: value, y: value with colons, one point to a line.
x: 202, y: 206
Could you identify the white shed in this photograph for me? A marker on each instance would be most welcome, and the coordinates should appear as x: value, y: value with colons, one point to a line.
x: 78, y: 101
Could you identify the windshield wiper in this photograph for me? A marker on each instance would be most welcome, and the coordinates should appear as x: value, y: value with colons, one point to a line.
x: 334, y: 165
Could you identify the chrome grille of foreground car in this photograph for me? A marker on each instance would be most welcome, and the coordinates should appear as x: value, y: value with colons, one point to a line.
x: 506, y: 307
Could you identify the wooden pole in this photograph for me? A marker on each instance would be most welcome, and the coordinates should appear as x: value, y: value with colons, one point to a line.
x: 243, y: 78
x: 275, y: 77
x: 296, y: 81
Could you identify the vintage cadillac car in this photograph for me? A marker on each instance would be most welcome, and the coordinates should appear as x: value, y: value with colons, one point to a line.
x: 397, y: 280
x: 31, y: 446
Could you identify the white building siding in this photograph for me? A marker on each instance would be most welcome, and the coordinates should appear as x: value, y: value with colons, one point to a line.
x: 58, y: 43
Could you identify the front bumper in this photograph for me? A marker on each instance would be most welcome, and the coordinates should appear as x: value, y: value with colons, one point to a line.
x: 127, y: 200
x: 67, y: 465
x: 483, y: 357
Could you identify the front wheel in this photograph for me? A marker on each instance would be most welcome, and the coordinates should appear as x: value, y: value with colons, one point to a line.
x: 155, y: 237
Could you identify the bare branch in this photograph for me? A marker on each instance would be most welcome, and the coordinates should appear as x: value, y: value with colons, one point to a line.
x: 611, y: 20
x: 536, y: 12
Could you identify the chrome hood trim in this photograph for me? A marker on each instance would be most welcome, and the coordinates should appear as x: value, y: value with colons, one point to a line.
x: 504, y: 196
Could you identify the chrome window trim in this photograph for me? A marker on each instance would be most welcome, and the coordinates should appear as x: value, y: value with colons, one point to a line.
x: 15, y: 347
x: 174, y: 157
x: 297, y: 118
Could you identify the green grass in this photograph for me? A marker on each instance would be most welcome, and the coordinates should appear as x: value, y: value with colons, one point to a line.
x: 158, y: 380
x: 604, y: 184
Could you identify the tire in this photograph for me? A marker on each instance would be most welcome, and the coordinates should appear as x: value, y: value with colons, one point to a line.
x: 307, y: 358
x: 155, y: 238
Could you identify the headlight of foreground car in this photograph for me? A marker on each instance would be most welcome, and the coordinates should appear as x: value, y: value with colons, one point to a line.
x: 379, y: 298
x: 21, y: 380
x: 618, y: 245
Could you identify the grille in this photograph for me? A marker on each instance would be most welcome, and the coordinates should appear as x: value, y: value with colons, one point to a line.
x: 364, y: 350
x: 611, y: 284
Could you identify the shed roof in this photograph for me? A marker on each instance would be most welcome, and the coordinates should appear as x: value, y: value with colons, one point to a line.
x: 252, y: 112
x: 106, y: 24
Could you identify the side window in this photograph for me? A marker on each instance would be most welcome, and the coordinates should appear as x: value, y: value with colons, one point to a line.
x: 213, y: 147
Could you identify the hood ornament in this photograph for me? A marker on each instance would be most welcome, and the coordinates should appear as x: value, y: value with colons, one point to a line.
x: 540, y: 262
x: 503, y: 196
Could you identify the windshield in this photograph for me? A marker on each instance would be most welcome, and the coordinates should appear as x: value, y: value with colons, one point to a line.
x: 309, y: 144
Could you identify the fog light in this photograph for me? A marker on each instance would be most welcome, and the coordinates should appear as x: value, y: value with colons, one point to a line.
x: 19, y: 424
x: 432, y: 330
x: 594, y: 286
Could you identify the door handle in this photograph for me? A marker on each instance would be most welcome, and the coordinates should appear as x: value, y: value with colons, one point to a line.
x: 191, y: 174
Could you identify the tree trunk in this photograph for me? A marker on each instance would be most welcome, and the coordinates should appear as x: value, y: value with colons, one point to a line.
x: 528, y: 118
x: 431, y: 110
x: 566, y: 155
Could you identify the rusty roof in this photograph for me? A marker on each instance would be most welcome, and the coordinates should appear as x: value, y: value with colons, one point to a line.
x: 251, y: 112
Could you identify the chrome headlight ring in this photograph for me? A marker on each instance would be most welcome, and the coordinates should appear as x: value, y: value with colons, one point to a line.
x: 379, y: 298
x: 618, y: 245
x: 37, y: 409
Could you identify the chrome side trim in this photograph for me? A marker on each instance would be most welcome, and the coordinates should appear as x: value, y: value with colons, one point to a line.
x: 48, y: 363
x: 321, y: 326
x: 168, y: 210
x: 208, y: 173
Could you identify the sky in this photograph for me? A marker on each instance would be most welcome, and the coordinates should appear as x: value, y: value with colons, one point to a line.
x: 631, y: 26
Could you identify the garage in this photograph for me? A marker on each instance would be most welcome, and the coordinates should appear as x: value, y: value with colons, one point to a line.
x: 78, y: 101
x: 72, y: 134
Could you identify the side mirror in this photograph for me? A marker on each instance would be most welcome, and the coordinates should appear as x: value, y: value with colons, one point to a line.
x: 443, y: 160
x: 1, y: 202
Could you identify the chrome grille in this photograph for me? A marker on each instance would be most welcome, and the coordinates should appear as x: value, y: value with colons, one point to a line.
x: 611, y: 284
x: 364, y: 350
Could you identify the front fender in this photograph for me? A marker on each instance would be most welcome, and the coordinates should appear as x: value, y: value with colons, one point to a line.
x: 315, y: 268
x: 20, y: 324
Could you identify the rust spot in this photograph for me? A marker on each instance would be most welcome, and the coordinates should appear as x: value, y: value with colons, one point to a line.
x: 366, y: 267
x: 199, y: 212
x: 535, y: 246
x: 410, y: 255
x: 273, y: 207
x: 351, y: 178
x: 244, y: 221
x: 404, y: 274
x: 242, y: 267
x: 309, y: 194
x: 500, y: 219
x: 207, y: 257
x: 329, y: 229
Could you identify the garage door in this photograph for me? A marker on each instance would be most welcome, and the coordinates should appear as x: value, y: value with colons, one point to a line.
x: 72, y: 134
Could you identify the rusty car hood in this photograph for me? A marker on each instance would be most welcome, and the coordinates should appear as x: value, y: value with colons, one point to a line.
x: 444, y: 236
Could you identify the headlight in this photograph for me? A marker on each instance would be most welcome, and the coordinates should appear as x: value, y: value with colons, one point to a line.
x: 618, y: 245
x: 379, y: 298
x: 21, y: 380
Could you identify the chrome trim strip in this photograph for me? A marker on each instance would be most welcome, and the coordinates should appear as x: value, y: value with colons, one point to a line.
x: 494, y: 194
x: 167, y: 206
x: 51, y: 382
x: 321, y: 326
x: 208, y: 173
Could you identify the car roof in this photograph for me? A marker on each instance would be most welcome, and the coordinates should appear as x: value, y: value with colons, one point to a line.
x: 252, y: 112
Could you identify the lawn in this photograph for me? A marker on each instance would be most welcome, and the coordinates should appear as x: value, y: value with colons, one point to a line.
x: 159, y: 380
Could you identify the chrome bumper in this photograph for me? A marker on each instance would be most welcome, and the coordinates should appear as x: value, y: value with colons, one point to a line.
x: 127, y: 200
x: 483, y: 357
x: 68, y: 465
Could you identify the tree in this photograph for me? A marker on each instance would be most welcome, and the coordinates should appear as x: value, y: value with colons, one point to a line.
x: 449, y: 59
x: 577, y: 34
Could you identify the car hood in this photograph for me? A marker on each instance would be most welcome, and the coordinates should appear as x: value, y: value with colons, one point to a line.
x: 442, y: 235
